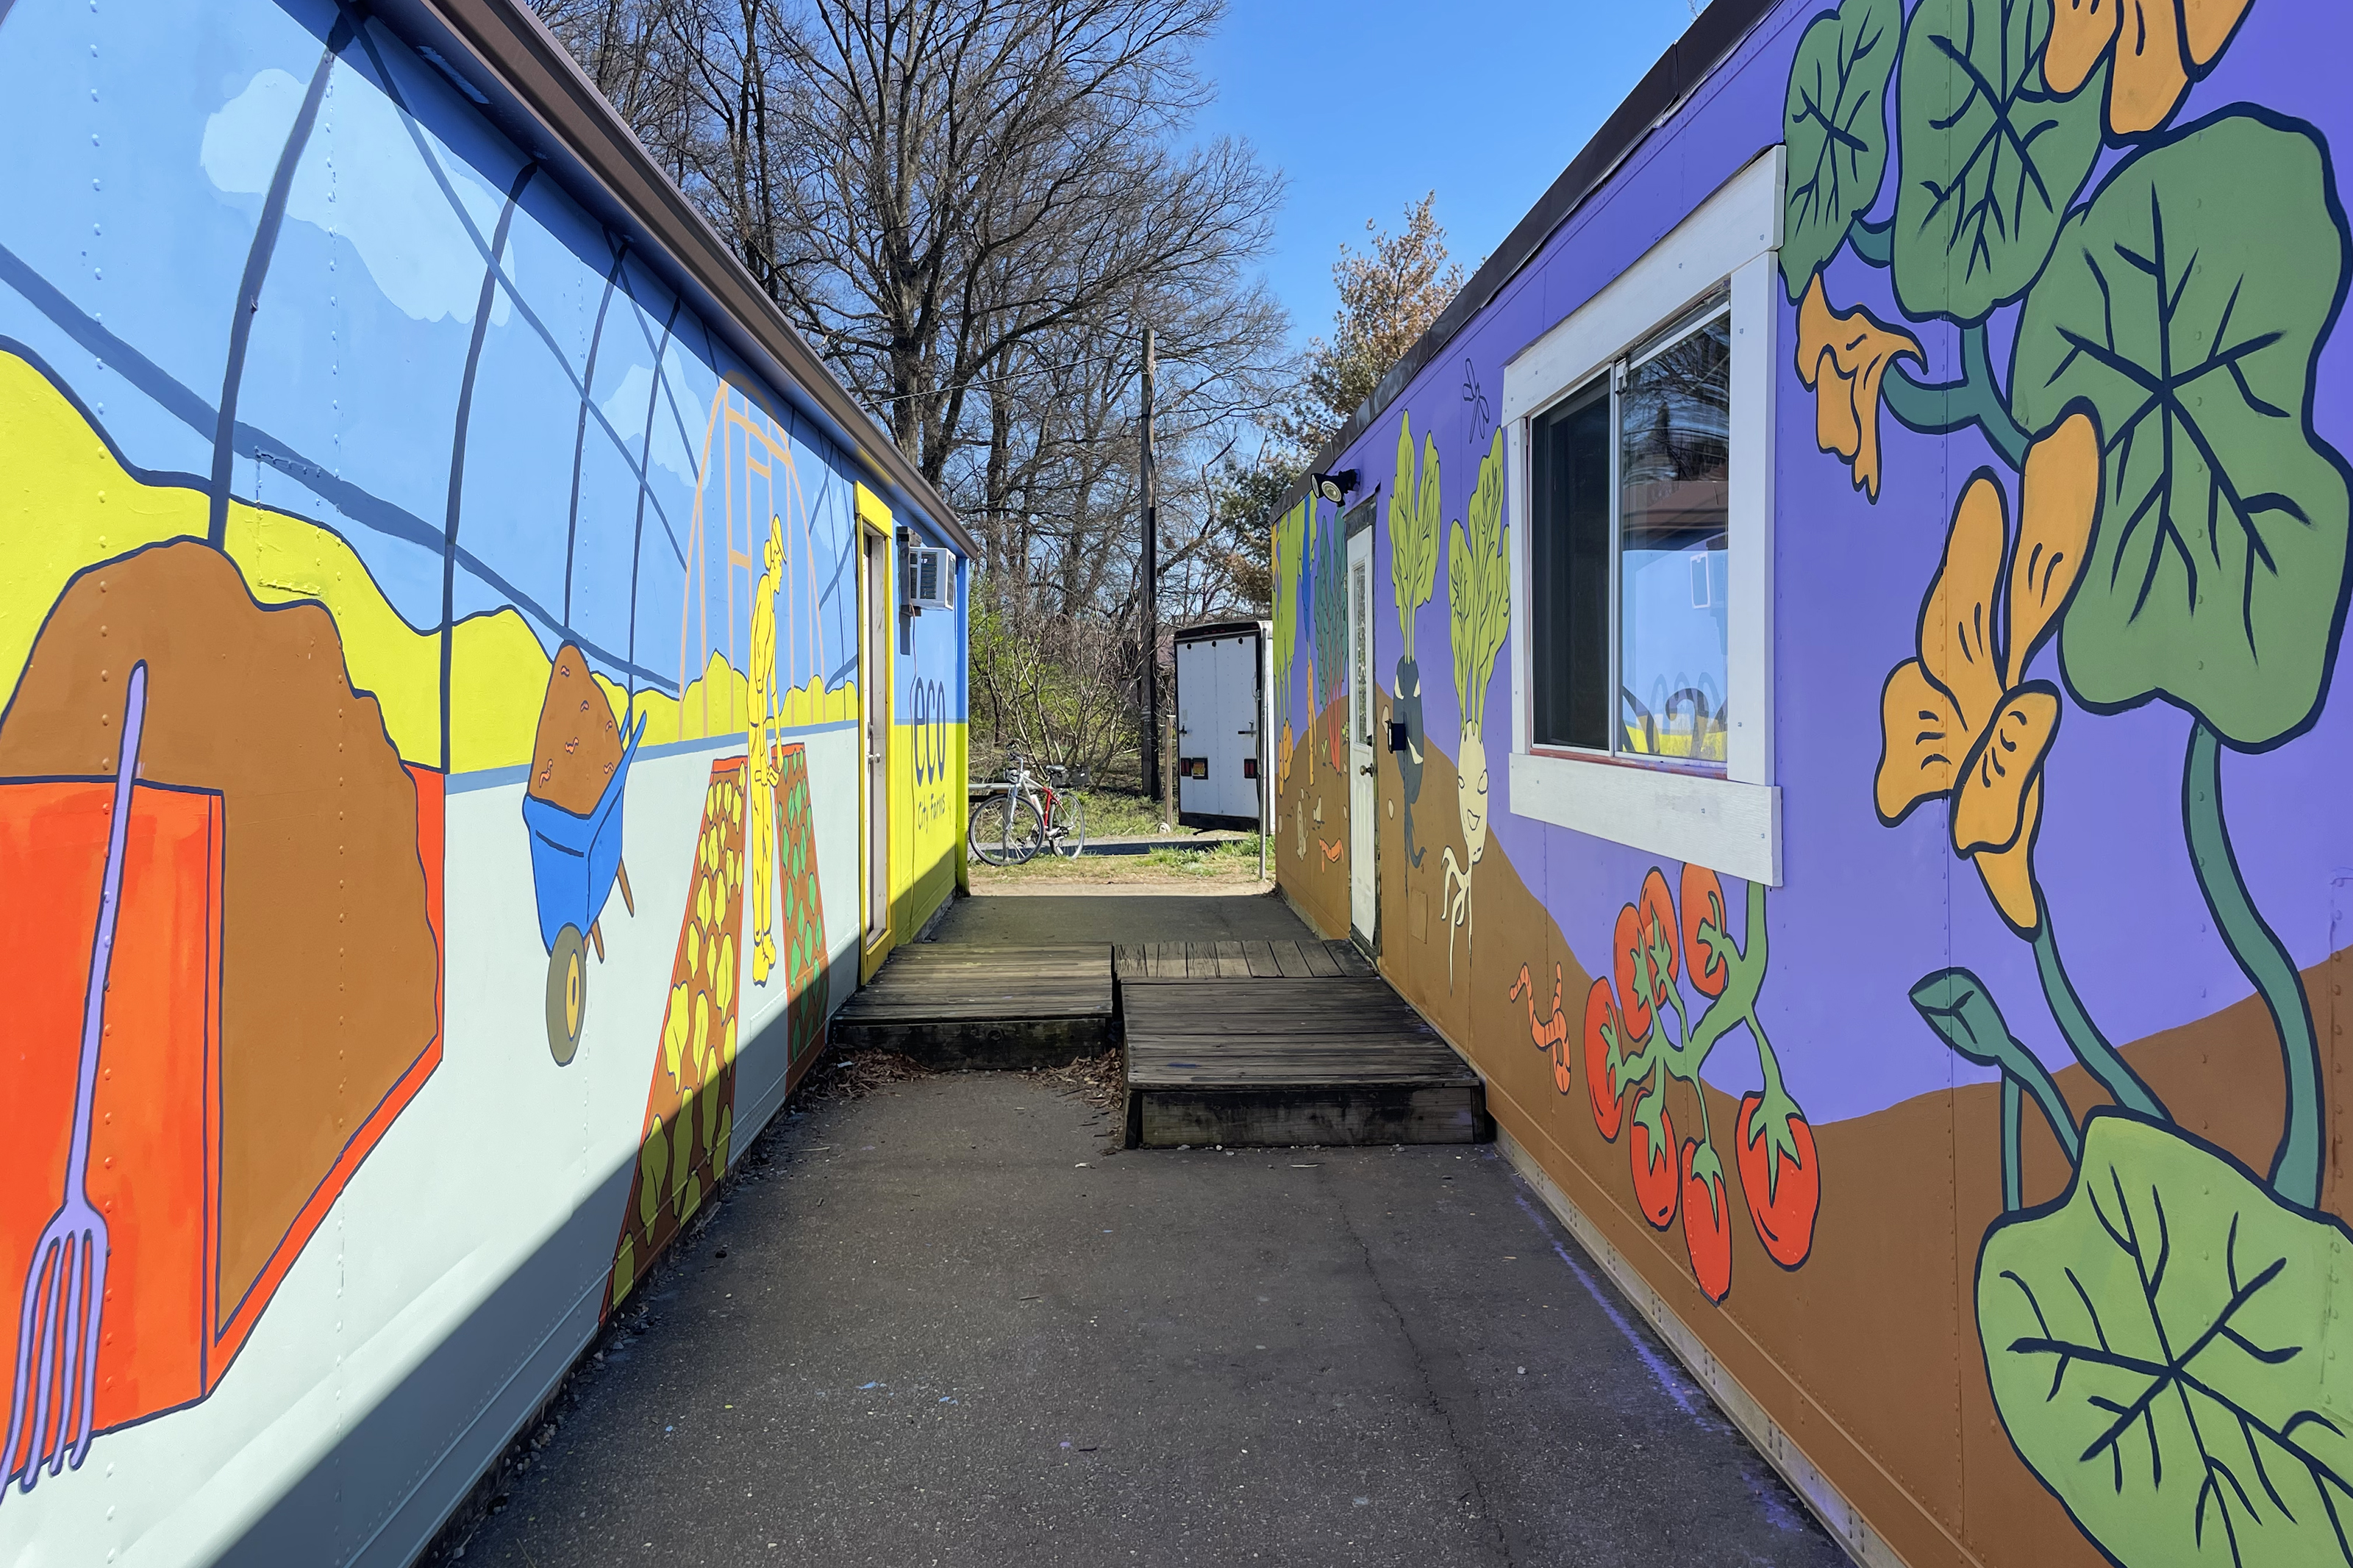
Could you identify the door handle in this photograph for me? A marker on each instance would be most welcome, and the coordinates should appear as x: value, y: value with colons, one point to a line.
x: 1366, y: 768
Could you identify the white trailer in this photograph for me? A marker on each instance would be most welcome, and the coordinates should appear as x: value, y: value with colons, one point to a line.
x: 1222, y: 682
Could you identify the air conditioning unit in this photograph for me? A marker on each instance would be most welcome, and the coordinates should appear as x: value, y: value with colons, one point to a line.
x: 931, y: 578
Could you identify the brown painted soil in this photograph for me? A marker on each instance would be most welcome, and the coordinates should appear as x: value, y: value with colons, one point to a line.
x: 1310, y: 849
x: 578, y: 745
x: 330, y: 979
x: 1867, y: 1353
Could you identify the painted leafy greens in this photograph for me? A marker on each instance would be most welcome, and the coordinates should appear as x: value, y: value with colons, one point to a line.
x: 1835, y: 126
x: 2157, y: 1341
x: 1990, y: 156
x: 2187, y: 303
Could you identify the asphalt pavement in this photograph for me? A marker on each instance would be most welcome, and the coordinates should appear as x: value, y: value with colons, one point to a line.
x: 951, y: 1323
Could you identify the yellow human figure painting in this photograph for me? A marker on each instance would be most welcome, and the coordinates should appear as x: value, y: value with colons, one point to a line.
x: 760, y: 772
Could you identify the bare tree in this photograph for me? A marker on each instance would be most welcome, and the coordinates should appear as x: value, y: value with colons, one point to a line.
x: 1388, y: 297
x: 973, y: 208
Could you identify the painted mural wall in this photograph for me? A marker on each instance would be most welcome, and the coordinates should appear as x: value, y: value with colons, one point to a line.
x: 1997, y: 1152
x: 431, y: 799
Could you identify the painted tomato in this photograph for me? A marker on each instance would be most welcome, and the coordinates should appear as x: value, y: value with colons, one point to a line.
x: 1783, y: 1204
x: 1654, y: 1171
x: 1600, y: 1087
x: 1707, y: 1220
x: 1626, y: 945
x: 1659, y: 916
x: 1702, y: 900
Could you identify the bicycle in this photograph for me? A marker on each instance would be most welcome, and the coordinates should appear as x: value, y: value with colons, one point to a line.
x: 1026, y: 815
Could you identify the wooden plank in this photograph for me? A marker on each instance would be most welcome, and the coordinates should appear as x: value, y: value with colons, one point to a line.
x: 1127, y: 962
x: 1320, y: 962
x: 945, y: 1009
x: 1291, y: 962
x: 1242, y: 1078
x: 1328, y: 1056
x: 1350, y: 958
x: 1200, y: 960
x: 987, y: 1045
x: 1292, y: 994
x: 1232, y: 964
x: 1168, y: 961
x: 1261, y: 960
x: 1256, y: 1117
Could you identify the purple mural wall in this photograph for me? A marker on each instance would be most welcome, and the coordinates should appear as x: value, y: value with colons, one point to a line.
x: 1910, y: 943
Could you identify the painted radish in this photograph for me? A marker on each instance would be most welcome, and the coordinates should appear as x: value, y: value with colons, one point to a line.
x: 1479, y: 599
x: 1413, y: 567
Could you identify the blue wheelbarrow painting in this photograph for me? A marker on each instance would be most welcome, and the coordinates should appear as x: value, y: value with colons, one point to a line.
x: 571, y: 809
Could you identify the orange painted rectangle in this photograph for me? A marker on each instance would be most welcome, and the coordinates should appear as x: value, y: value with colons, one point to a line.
x: 150, y: 1169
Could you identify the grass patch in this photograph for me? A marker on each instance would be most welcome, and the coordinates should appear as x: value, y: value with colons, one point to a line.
x: 1234, y: 860
x: 1116, y: 814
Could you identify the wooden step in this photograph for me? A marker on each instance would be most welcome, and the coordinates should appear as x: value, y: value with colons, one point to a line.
x: 960, y: 1004
x: 1240, y: 961
x: 1286, y: 1059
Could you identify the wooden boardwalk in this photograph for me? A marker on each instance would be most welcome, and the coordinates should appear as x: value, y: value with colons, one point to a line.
x: 1248, y: 1043
x: 951, y: 1004
x: 1240, y: 961
x: 1281, y: 1044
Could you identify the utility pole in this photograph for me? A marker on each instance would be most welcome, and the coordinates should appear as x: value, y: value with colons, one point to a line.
x: 1151, y: 593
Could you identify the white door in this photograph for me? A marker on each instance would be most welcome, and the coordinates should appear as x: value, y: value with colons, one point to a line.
x: 1363, y: 906
x: 1237, y: 735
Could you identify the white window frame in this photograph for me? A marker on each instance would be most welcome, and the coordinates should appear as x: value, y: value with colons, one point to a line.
x: 1730, y: 824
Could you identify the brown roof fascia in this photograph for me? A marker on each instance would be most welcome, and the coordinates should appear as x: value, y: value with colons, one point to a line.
x: 502, y: 57
x: 1688, y: 61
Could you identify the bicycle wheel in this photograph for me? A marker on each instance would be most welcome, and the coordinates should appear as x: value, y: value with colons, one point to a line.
x: 1069, y: 827
x: 1006, y: 830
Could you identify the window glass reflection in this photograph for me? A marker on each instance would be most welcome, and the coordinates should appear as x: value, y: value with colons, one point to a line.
x: 1673, y: 444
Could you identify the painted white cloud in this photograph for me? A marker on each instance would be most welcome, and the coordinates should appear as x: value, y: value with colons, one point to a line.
x: 626, y: 409
x: 362, y: 181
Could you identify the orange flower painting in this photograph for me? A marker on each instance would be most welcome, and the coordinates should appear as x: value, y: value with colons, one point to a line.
x: 2157, y: 45
x: 1843, y: 358
x: 1961, y: 722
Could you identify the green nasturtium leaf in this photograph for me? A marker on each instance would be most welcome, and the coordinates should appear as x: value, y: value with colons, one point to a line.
x: 2185, y: 303
x: 1988, y: 158
x: 2156, y: 1343
x: 1835, y: 126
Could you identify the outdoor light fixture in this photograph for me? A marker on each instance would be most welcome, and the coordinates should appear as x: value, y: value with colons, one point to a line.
x: 1334, y: 485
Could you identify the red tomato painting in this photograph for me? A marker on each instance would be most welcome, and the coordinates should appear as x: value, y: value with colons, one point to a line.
x: 1659, y: 923
x: 1702, y: 900
x: 1654, y: 1171
x: 1783, y: 1204
x: 1626, y: 945
x: 1707, y: 1220
x: 1601, y: 1088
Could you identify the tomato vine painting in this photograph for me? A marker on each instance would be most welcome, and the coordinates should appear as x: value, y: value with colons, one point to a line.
x: 2163, y: 507
x: 1631, y: 1053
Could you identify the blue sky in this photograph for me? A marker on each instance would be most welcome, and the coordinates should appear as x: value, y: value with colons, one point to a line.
x: 1366, y: 104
